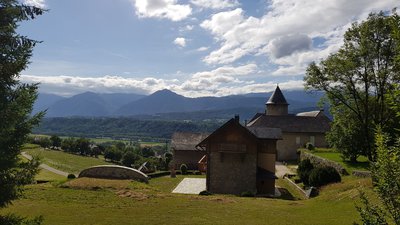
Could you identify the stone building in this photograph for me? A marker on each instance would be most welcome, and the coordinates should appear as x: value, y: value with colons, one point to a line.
x: 297, y: 129
x: 241, y: 158
x: 183, y: 146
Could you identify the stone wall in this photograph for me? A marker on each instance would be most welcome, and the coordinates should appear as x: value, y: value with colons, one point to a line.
x: 114, y: 172
x: 232, y: 173
x: 319, y: 161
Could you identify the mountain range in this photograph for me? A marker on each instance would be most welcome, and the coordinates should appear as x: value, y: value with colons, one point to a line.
x: 165, y: 104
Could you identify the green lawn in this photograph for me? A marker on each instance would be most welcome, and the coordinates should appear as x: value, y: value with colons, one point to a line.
x: 331, y: 154
x: 118, y: 202
x: 45, y: 175
x: 361, y: 164
x: 64, y: 161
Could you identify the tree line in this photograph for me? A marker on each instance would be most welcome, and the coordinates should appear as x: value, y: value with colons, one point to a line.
x: 130, y: 154
x: 147, y: 130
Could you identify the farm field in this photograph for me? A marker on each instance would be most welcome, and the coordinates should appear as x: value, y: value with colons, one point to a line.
x: 64, y: 161
x: 95, y: 201
x: 105, y: 139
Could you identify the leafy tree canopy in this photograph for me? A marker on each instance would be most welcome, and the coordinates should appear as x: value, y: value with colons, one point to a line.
x: 357, y: 80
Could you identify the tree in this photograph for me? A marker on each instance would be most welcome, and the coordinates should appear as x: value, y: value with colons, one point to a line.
x: 16, y: 101
x: 386, y: 181
x: 167, y: 159
x: 358, y: 78
x: 55, y: 141
x: 68, y: 144
x: 83, y: 146
x: 147, y: 152
x: 129, y: 158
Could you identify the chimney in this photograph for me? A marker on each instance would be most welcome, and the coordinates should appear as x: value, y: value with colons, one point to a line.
x: 237, y: 118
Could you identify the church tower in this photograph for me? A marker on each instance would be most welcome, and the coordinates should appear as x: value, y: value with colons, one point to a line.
x: 276, y: 104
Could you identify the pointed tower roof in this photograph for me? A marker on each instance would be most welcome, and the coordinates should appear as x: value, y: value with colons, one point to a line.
x: 277, y: 98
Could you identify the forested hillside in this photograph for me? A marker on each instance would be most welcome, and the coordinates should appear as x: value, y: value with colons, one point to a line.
x: 146, y: 130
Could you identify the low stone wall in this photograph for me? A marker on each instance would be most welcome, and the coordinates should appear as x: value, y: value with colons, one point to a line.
x: 360, y: 173
x: 319, y: 161
x: 114, y: 172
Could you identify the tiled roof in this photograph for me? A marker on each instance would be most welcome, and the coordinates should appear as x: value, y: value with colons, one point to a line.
x: 309, y: 114
x: 277, y: 98
x: 293, y: 123
x: 186, y: 140
x: 266, y: 132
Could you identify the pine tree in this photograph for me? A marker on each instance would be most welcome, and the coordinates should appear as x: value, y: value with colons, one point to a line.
x: 16, y: 102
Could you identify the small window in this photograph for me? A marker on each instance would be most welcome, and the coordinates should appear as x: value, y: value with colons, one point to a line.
x: 297, y: 140
x: 312, y: 140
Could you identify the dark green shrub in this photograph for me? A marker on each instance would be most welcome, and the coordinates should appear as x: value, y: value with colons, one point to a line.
x: 184, y: 169
x: 71, y: 176
x: 205, y: 193
x: 304, y: 169
x: 247, y: 194
x: 310, y: 146
x: 324, y: 175
x: 197, y: 173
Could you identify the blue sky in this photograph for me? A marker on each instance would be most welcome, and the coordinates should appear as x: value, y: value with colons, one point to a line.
x: 193, y: 47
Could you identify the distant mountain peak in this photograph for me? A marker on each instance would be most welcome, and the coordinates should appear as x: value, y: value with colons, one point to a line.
x: 165, y: 92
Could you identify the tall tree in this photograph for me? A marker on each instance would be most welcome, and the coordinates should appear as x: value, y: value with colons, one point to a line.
x: 16, y: 100
x: 358, y: 78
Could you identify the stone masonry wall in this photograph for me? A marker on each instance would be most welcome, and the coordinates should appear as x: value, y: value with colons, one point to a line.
x: 233, y: 173
x: 319, y: 161
x: 114, y: 172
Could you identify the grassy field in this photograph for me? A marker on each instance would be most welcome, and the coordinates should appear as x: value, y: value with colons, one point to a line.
x: 361, y: 164
x: 94, y: 201
x: 98, y: 201
x: 64, y: 161
x: 104, y: 140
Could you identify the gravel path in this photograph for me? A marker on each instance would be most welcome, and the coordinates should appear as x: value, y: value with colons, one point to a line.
x: 191, y: 186
x: 281, y: 170
x: 46, y: 167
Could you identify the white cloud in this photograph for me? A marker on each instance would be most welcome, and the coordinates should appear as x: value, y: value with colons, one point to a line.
x: 70, y: 85
x: 180, y: 41
x: 225, y: 80
x: 286, y: 31
x: 215, y: 4
x: 37, y: 3
x: 202, y: 49
x: 168, y: 9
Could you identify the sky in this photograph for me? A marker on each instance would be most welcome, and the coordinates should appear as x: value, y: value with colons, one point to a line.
x: 192, y: 47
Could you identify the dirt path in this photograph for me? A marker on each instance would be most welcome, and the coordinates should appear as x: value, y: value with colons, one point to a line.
x: 46, y: 167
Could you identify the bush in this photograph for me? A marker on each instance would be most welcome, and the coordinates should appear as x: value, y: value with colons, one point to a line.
x: 247, y: 194
x: 184, y: 169
x: 310, y: 146
x: 324, y: 175
x: 205, y: 193
x: 71, y: 176
x: 304, y: 170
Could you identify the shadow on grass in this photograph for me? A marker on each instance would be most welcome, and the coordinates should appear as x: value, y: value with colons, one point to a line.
x: 286, y: 195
